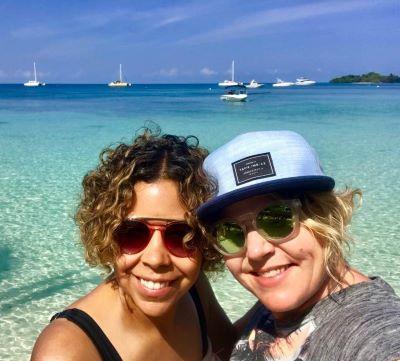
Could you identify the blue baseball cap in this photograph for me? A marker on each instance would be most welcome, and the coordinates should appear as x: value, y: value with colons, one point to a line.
x: 259, y: 163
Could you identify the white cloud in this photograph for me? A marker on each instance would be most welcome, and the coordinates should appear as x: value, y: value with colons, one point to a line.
x: 171, y: 20
x: 169, y: 72
x: 175, y: 14
x: 83, y: 26
x: 100, y: 19
x: 242, y: 27
x: 207, y: 71
x: 33, y: 31
x: 148, y: 20
x: 29, y: 74
x: 24, y: 73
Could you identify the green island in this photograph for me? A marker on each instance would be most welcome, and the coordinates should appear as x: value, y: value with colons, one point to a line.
x: 370, y: 77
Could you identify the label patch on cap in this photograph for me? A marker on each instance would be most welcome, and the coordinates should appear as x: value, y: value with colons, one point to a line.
x: 253, y: 167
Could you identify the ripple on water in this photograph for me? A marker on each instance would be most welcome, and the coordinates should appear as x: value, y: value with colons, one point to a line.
x: 7, y: 261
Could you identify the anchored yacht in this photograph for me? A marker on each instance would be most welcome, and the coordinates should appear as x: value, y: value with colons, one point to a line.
x: 304, y: 81
x: 254, y: 85
x: 281, y: 83
x: 237, y: 94
x: 35, y: 82
x: 119, y: 82
x: 232, y: 82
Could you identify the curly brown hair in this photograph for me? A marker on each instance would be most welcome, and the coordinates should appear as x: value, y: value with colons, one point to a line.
x: 108, y: 192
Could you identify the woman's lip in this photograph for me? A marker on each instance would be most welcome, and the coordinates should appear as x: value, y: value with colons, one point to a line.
x: 273, y: 271
x: 154, y: 279
x: 153, y: 293
x: 272, y: 277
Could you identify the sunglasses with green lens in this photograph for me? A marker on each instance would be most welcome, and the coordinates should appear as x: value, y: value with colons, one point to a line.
x: 278, y: 222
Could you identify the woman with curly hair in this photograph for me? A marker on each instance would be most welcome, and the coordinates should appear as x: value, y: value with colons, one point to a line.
x: 282, y: 229
x: 136, y: 219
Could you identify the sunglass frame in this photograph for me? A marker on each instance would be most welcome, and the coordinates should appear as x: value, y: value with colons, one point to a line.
x: 156, y: 227
x: 250, y: 218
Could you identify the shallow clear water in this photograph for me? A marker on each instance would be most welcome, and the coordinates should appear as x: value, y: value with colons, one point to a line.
x: 49, y: 138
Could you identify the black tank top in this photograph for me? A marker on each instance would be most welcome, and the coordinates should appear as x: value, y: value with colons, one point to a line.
x: 104, y: 346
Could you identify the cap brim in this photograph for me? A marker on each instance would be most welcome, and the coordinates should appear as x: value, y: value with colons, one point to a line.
x: 213, y: 207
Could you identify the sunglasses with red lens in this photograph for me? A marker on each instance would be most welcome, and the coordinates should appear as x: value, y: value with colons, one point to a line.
x: 133, y: 235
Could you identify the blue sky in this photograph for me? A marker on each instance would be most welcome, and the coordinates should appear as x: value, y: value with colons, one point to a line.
x: 195, y: 41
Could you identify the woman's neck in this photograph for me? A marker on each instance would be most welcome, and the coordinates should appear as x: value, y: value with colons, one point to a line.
x: 134, y: 316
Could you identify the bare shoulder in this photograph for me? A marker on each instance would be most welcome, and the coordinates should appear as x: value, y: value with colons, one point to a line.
x: 62, y: 340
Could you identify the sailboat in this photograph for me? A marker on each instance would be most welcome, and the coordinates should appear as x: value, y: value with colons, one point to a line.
x: 232, y: 82
x: 119, y: 82
x: 34, y: 82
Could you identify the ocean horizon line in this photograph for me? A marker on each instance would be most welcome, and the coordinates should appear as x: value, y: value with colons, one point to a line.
x: 197, y: 83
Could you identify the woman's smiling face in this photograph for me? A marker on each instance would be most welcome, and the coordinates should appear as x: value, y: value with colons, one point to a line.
x: 285, y: 277
x: 154, y: 279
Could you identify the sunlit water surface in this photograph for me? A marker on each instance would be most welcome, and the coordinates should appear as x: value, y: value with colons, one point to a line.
x: 50, y: 137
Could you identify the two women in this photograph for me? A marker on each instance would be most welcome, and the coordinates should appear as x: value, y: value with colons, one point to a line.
x: 136, y: 219
x: 282, y: 229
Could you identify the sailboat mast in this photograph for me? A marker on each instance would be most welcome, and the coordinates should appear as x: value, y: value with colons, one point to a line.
x: 233, y: 70
x: 34, y: 70
x: 120, y: 73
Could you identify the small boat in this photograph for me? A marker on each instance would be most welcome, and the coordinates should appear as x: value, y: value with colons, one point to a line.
x: 254, y: 85
x: 232, y: 82
x: 281, y: 83
x: 119, y: 82
x: 304, y: 81
x: 238, y: 94
x: 32, y: 83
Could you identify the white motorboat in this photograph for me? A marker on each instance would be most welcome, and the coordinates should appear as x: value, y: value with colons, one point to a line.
x: 35, y: 82
x: 281, y: 83
x: 254, y: 85
x: 304, y: 81
x: 235, y: 95
x: 232, y: 82
x: 119, y: 82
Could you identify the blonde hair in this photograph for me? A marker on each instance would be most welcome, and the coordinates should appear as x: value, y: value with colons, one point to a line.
x: 328, y: 215
x: 108, y: 192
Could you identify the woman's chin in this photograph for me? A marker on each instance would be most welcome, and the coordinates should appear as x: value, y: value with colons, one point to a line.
x: 281, y: 301
x: 155, y: 310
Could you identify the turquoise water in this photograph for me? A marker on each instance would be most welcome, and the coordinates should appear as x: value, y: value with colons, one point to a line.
x: 49, y: 138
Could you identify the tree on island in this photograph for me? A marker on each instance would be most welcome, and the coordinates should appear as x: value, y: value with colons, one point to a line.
x: 370, y: 77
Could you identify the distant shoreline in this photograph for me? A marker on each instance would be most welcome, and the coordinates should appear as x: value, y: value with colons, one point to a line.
x: 369, y: 78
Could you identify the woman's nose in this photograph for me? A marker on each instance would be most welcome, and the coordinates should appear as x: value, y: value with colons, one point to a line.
x: 258, y: 247
x: 155, y: 254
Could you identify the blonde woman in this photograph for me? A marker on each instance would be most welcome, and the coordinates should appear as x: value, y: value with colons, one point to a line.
x: 136, y: 220
x: 282, y: 229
